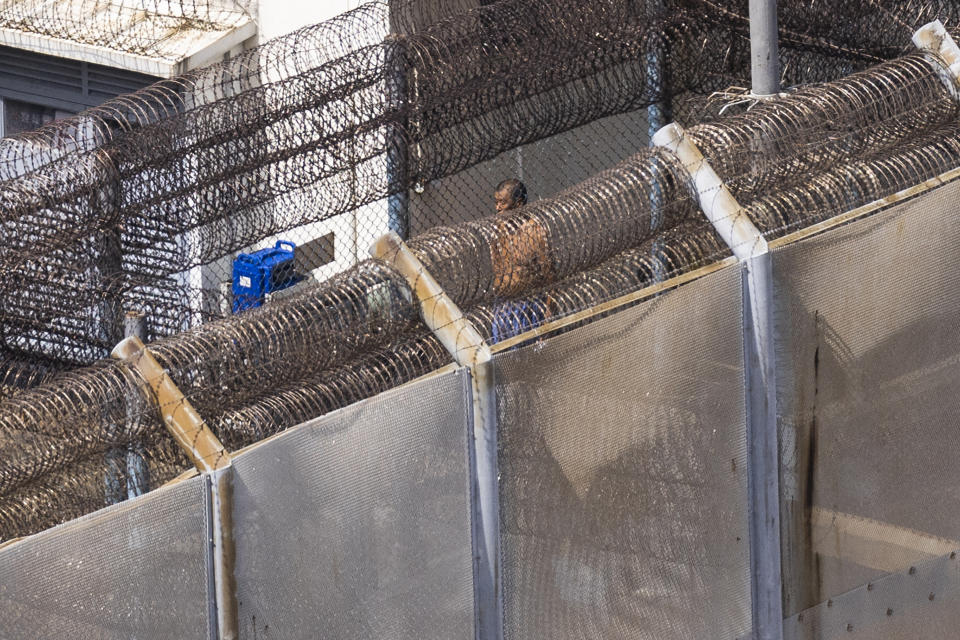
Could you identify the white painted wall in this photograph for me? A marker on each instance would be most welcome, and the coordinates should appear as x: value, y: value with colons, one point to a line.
x: 277, y: 17
x: 353, y: 232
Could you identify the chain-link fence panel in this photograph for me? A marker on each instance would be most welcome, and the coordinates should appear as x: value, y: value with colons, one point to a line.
x: 868, y: 348
x: 623, y: 486
x: 546, y: 167
x: 357, y: 525
x: 136, y: 570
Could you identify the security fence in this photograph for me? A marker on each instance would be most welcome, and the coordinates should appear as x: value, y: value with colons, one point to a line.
x: 136, y: 570
x: 615, y: 485
x: 623, y: 471
x: 328, y: 543
x: 623, y: 487
x: 398, y: 115
x: 867, y: 356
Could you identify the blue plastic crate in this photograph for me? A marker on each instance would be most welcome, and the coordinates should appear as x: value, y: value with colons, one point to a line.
x: 261, y: 272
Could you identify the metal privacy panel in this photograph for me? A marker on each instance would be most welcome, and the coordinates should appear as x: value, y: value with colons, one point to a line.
x: 623, y: 486
x: 356, y: 525
x: 922, y: 602
x: 134, y: 570
x: 869, y: 362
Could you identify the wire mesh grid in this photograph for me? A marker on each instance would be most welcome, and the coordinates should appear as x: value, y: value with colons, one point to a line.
x: 135, y: 570
x: 866, y: 400
x: 377, y: 497
x: 622, y: 462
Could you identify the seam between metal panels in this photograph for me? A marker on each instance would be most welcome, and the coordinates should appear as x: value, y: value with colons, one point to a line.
x: 750, y: 247
x: 612, y: 305
x: 467, y: 346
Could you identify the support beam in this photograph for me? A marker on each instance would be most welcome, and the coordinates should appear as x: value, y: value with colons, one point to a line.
x: 717, y: 203
x: 466, y: 345
x: 762, y: 447
x: 764, y: 48
x: 224, y: 551
x: 440, y: 313
x: 750, y: 248
x: 181, y: 419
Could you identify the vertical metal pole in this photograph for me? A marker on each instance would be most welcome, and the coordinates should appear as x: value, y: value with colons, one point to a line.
x: 224, y: 553
x: 486, y: 503
x: 762, y: 447
x: 109, y: 264
x: 764, y: 453
x: 138, y: 475
x: 764, y: 50
x: 657, y: 116
x: 398, y: 202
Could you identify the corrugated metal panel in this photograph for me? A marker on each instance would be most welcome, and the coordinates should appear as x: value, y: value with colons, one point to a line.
x: 60, y: 82
x: 107, y: 82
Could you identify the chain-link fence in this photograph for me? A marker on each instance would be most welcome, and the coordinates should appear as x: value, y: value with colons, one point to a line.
x: 623, y: 476
x: 233, y: 207
x: 824, y: 149
x: 210, y: 193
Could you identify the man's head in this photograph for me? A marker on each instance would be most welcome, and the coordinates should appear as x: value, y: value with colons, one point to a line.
x: 510, y: 194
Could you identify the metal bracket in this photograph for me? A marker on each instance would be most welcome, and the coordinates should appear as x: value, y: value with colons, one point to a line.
x: 933, y: 39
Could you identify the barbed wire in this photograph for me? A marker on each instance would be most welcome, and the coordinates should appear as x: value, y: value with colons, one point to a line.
x: 107, y: 211
x: 142, y: 27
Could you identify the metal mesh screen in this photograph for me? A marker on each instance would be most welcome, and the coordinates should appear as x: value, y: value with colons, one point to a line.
x: 136, y: 570
x: 868, y: 362
x: 357, y: 525
x: 623, y: 487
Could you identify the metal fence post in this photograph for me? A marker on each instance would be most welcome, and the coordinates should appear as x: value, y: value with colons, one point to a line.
x: 764, y: 48
x: 138, y: 475
x: 462, y: 340
x: 750, y: 248
x: 398, y: 200
x: 762, y: 446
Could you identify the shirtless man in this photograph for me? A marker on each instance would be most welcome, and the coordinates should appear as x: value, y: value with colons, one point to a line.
x: 510, y: 194
x: 520, y: 251
x: 521, y: 261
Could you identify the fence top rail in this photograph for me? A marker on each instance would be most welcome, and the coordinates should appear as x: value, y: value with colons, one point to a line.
x: 867, y: 209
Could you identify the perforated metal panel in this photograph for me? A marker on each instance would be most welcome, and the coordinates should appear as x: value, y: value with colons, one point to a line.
x: 869, y: 364
x: 623, y: 486
x: 135, y: 570
x: 357, y: 525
